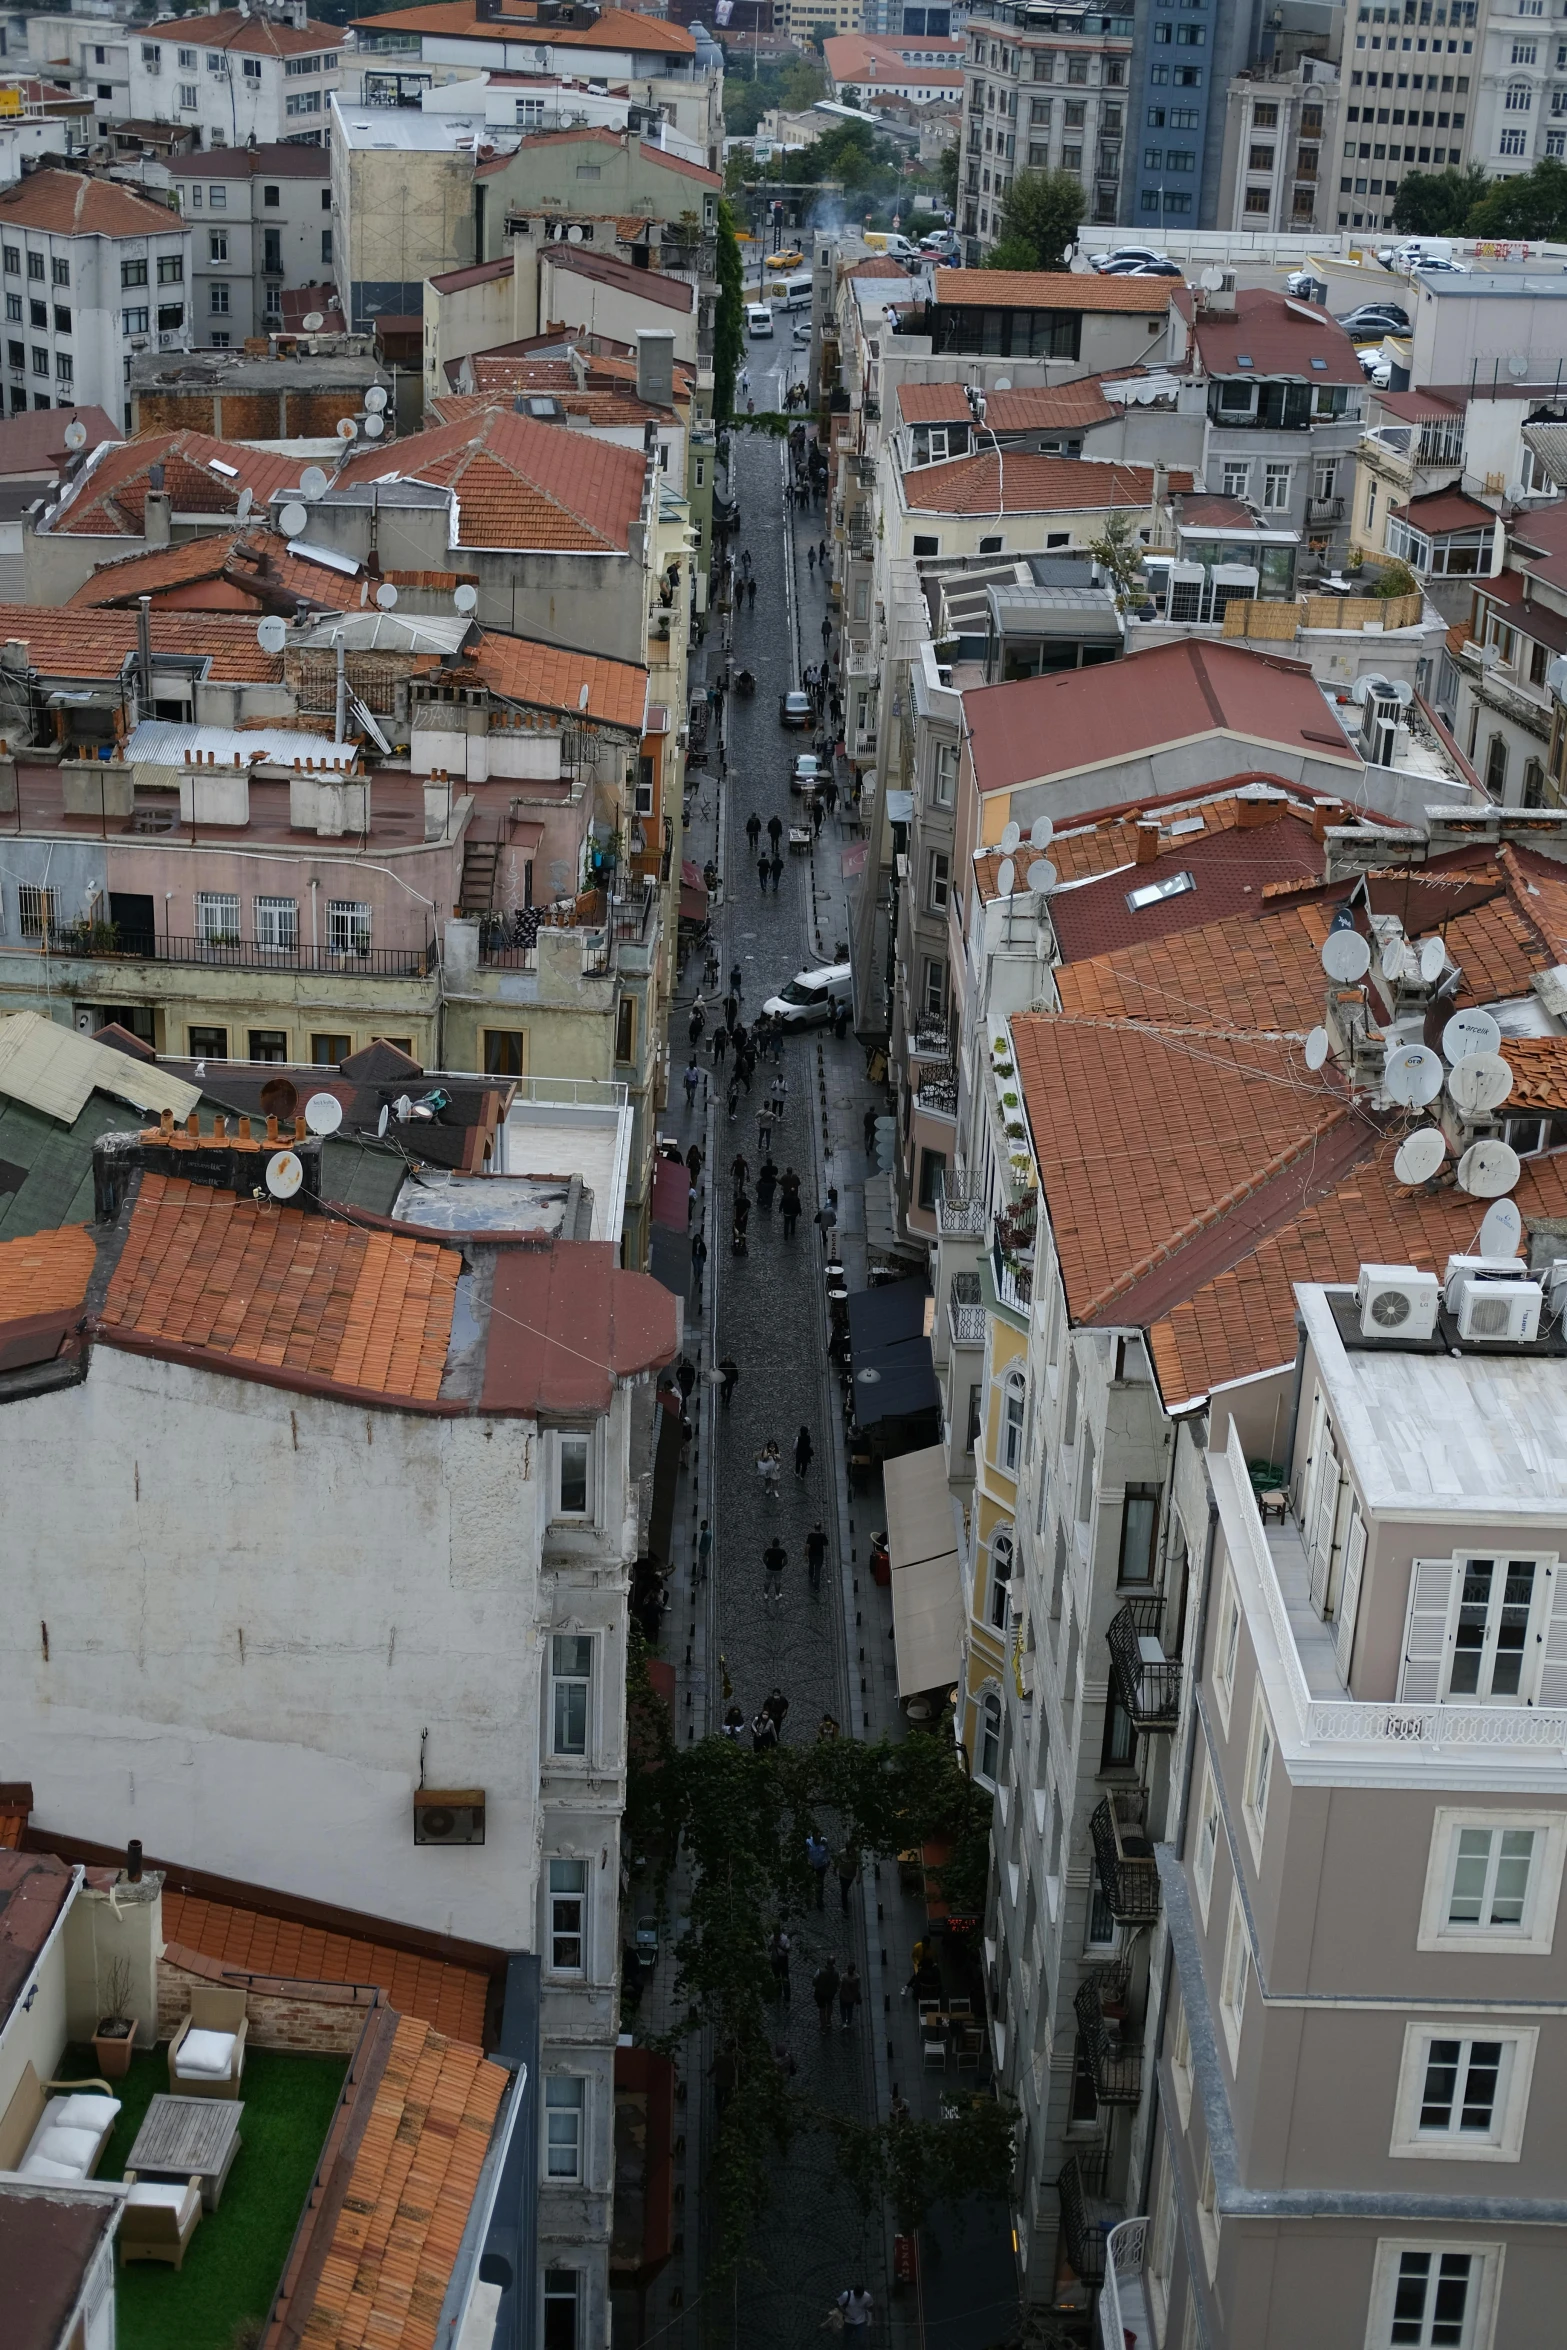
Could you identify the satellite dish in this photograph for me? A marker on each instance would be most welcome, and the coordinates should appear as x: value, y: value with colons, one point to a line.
x: 1345, y: 955
x: 1470, y: 1032
x: 1418, y: 1157
x: 1479, y: 1083
x: 247, y: 500
x: 1211, y: 280
x: 1357, y: 692
x: 374, y: 427
x: 1487, y: 1169
x: 1518, y: 367
x: 1412, y: 1077
x: 292, y: 520
x: 1393, y: 958
x: 1006, y: 878
x: 375, y: 399
x: 1556, y: 677
x: 1003, y: 383
x: 271, y: 633
x: 1010, y: 837
x: 1433, y: 956
x: 1514, y: 491
x: 76, y: 434
x: 1402, y: 692
x: 1041, y: 875
x: 574, y: 234
x: 279, y: 1099
x: 1041, y: 833
x: 285, y: 1174
x: 466, y: 597
x: 1316, y: 1048
x: 323, y: 1113
x: 312, y: 482
x: 345, y: 428
x: 380, y: 1124
x: 386, y: 597
x: 313, y: 321
x: 1501, y: 1230
x: 403, y: 1109
x: 1489, y: 656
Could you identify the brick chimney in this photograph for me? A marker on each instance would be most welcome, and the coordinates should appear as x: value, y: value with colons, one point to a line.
x: 1147, y: 840
x: 1325, y: 813
x: 1258, y: 804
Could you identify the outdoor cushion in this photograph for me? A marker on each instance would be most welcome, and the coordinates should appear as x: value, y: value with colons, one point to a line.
x: 38, y: 2166
x: 160, y: 2195
x: 206, y: 2055
x: 82, y: 2113
x: 73, y: 2146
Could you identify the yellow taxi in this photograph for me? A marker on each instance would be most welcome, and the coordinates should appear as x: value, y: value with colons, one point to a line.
x: 790, y: 258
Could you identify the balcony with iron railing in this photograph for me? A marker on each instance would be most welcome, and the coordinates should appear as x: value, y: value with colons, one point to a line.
x: 101, y: 942
x: 1324, y: 510
x: 1123, y: 2304
x: 965, y: 1310
x: 960, y: 1210
x: 937, y: 1091
x: 513, y: 945
x: 1147, y: 1681
x: 1088, y: 2216
x: 1111, y: 2036
x: 1124, y: 1857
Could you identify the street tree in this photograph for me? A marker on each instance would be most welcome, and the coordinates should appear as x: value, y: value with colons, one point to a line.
x: 1039, y: 221
x: 1438, y: 203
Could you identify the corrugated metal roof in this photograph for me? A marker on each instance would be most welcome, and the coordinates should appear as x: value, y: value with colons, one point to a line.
x: 54, y: 1070
x: 158, y: 742
x: 391, y: 632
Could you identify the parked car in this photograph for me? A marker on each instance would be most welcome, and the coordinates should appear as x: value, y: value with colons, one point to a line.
x: 1128, y: 255
x: 1306, y: 286
x: 939, y: 242
x: 808, y: 772
x: 1376, y: 368
x: 1436, y: 266
x: 802, y: 334
x: 1372, y: 313
x: 812, y: 996
x: 795, y: 709
x: 1149, y: 269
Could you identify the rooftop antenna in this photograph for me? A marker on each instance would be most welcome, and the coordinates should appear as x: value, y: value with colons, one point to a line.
x: 1006, y: 876
x: 374, y: 427
x: 582, y: 699
x: 247, y: 499
x: 1501, y: 1229
x: 380, y: 1124
x: 1041, y: 833
x: 1412, y: 1077
x: 1556, y: 677
x: 279, y: 1099
x: 375, y: 400
x: 76, y: 434
x: 386, y: 596
x: 1489, y: 1168
x: 465, y: 598
x: 1042, y: 876
x: 312, y: 483
x: 1468, y: 1032
x: 1010, y: 837
x: 1433, y: 955
x: 1419, y: 1155
x: 313, y: 321
x: 323, y: 1113
x: 346, y: 429
x: 292, y: 519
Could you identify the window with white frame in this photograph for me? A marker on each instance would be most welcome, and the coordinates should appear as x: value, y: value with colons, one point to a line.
x: 277, y: 922
x: 1207, y: 1840
x: 564, y: 2101
x: 1001, y: 1562
x: 562, y: 2302
x: 347, y: 926
x: 1493, y: 1880
x: 935, y: 988
x: 1276, y: 486
x: 1232, y: 1978
x: 1181, y: 2068
x: 568, y: 1914
x: 571, y: 1684
x: 1463, y: 2091
x: 988, y: 1760
x: 944, y: 780
x: 217, y: 917
x: 1433, y: 2296
x: 938, y: 876
x: 1486, y: 1631
x: 1012, y: 1423
x: 1225, y: 1650
x: 573, y: 1474
x: 1237, y: 477
x: 1259, y: 1769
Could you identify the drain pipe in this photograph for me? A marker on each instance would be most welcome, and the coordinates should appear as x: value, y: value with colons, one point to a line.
x: 144, y: 652
x: 1293, y: 1422
x: 341, y: 719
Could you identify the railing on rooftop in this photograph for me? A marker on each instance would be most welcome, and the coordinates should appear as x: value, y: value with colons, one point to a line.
x: 102, y: 942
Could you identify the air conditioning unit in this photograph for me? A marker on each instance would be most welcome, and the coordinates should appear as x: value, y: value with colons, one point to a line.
x: 1397, y: 1301
x: 448, y: 1815
x: 1460, y: 1273
x: 1505, y: 1310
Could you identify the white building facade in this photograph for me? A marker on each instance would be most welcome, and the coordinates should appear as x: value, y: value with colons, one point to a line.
x: 260, y: 219
x: 91, y: 273
x: 236, y: 75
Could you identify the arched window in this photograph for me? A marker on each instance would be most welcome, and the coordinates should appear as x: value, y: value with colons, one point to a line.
x: 1496, y: 767
x: 1000, y: 1577
x: 1012, y: 1423
x: 1520, y: 98
x: 989, y: 1761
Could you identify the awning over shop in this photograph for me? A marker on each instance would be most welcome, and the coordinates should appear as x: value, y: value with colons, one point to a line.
x: 927, y: 1595
x: 896, y: 1398
x: 671, y: 1194
x: 666, y: 1473
x: 693, y: 892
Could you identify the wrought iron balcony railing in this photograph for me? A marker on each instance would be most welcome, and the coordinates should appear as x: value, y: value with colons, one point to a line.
x: 1124, y: 1859
x: 1147, y: 1682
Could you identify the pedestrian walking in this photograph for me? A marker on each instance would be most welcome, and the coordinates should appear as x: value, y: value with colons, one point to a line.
x: 731, y: 1012
x: 810, y: 557
x: 764, y: 1735
x: 826, y: 1218
x: 778, y: 1952
x: 695, y: 1026
x: 704, y: 1552
x: 821, y: 554
x: 753, y: 830
x: 824, y: 1990
x: 847, y: 1865
x: 826, y: 633
x: 830, y: 793
x: 745, y: 552
x: 764, y: 1127
x: 741, y: 1215
x: 774, y: 1560
x: 698, y: 1260
x: 856, y: 2305
x: 775, y: 829
x: 776, y: 870
x: 736, y: 981
x: 720, y: 1046
x: 815, y: 1553
x: 768, y: 1468
x: 818, y: 1856
x: 850, y: 1992
x: 750, y: 589
x: 739, y: 1171
x: 693, y: 1080
x: 734, y: 1097
x: 761, y: 874
x: 734, y: 1723
x: 803, y: 1449
x: 766, y: 1185
x: 694, y: 1164
x: 777, y: 1705
x: 730, y: 1371
x: 789, y: 1201
x: 685, y: 1378
x: 818, y: 811
x: 746, y: 1067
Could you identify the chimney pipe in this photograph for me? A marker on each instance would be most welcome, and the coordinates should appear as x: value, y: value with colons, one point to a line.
x: 1326, y: 812
x: 133, y: 1861
x: 144, y: 652
x: 1147, y: 840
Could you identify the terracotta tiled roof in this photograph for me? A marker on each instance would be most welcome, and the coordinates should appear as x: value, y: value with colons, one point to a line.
x: 1025, y: 289
x: 46, y: 1272
x: 1043, y: 406
x: 12, y: 1824
x: 258, y: 35
x: 1033, y: 485
x: 234, y: 558
x: 934, y: 404
x: 67, y: 642
x: 109, y: 496
x: 520, y: 368
x: 278, y: 159
x: 478, y: 273
x: 1277, y: 335
x: 1538, y: 888
x: 1539, y: 1067
x: 451, y: 1998
x: 396, y: 2238
x: 608, y: 407
x: 520, y: 484
x: 615, y: 28
x: 284, y: 1290
x: 69, y: 204
x: 36, y: 442
x: 549, y: 679
x: 879, y: 265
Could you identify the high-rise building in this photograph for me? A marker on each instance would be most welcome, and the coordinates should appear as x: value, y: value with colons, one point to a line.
x: 1044, y: 90
x: 1186, y: 54
x: 1408, y: 88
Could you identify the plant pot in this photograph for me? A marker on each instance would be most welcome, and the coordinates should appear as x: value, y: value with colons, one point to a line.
x: 114, y: 2044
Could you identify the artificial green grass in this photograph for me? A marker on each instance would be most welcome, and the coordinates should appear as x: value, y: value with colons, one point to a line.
x: 236, y: 2256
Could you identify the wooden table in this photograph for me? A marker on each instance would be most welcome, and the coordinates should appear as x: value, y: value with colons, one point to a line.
x: 183, y: 2137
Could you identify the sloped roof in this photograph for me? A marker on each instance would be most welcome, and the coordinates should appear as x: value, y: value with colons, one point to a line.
x: 1278, y: 335
x: 547, y: 678
x: 70, y: 204
x: 109, y: 495
x: 648, y: 285
x: 439, y: 1992
x: 35, y: 443
x: 55, y: 1069
x: 518, y: 483
x: 1033, y: 485
x: 615, y: 28
x: 1230, y: 865
x: 879, y: 265
x: 1031, y: 289
x: 254, y: 560
x: 934, y: 404
x: 1451, y: 509
x: 69, y: 642
x: 45, y: 1272
x: 1042, y: 406
x: 256, y: 35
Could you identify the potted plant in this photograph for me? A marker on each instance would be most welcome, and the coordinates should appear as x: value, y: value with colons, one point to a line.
x: 114, y: 2042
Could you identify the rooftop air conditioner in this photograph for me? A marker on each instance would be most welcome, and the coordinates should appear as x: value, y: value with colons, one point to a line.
x: 1396, y: 1301
x: 1507, y: 1310
x: 449, y: 1815
x: 1461, y: 1273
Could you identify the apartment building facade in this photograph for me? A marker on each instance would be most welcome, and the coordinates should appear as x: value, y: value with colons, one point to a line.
x: 1279, y: 134
x: 91, y: 273
x: 1410, y: 77
x: 1187, y: 54
x: 233, y: 75
x: 260, y: 219
x: 1519, y: 114
x: 1044, y: 90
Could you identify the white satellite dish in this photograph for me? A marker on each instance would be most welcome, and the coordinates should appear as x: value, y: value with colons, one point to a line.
x: 1556, y: 677
x: 312, y: 482
x: 1419, y: 1155
x: 313, y: 321
x: 1487, y: 1169
x: 345, y: 428
x: 1316, y: 1048
x: 292, y: 520
x: 380, y: 1124
x: 1363, y: 688
x: 1041, y: 833
x: 247, y: 500
x: 1479, y: 1083
x: 76, y: 434
x: 1003, y: 383
x: 403, y: 1109
x: 1010, y: 837
x: 1041, y: 875
x: 1345, y: 955
x: 466, y: 597
x: 1470, y: 1032
x: 574, y: 234
x: 1006, y: 877
x: 1501, y: 1230
x: 1514, y: 491
x: 1489, y: 656
x: 1402, y: 692
x: 1393, y: 958
x: 386, y: 597
x: 374, y: 427
x: 1413, y: 1076
x: 1518, y: 366
x: 1433, y: 959
x: 323, y: 1113
x: 1211, y: 279
x: 375, y: 399
x: 285, y: 1174
x: 271, y: 633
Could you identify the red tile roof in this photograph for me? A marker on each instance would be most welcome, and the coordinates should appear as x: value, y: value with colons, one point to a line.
x: 1033, y: 728
x: 612, y: 406
x: 279, y: 159
x: 1217, y: 514
x: 437, y: 1991
x: 34, y: 1889
x: 545, y: 678
x: 1022, y: 289
x: 1044, y: 406
x: 648, y: 285
x: 1443, y: 510
x: 519, y: 484
x: 35, y: 443
x: 46, y: 1272
x: 69, y: 204
x: 615, y: 28
x: 1032, y: 484
x: 70, y: 642
x: 879, y: 265
x: 1230, y: 865
x: 1279, y: 336
x: 255, y: 35
x: 109, y: 496
x: 232, y: 558
x: 478, y: 273
x: 934, y: 404
x: 518, y: 368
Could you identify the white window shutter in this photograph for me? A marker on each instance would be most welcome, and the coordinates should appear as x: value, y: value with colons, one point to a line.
x: 1425, y: 1633
x: 1553, y: 1672
x: 1349, y: 1596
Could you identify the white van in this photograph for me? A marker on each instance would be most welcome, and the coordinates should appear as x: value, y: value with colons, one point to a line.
x: 759, y: 318
x: 797, y: 294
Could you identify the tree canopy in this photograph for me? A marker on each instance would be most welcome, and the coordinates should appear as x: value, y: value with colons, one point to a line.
x: 729, y: 319
x: 1039, y: 221
x: 1529, y: 205
x: 1437, y: 203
